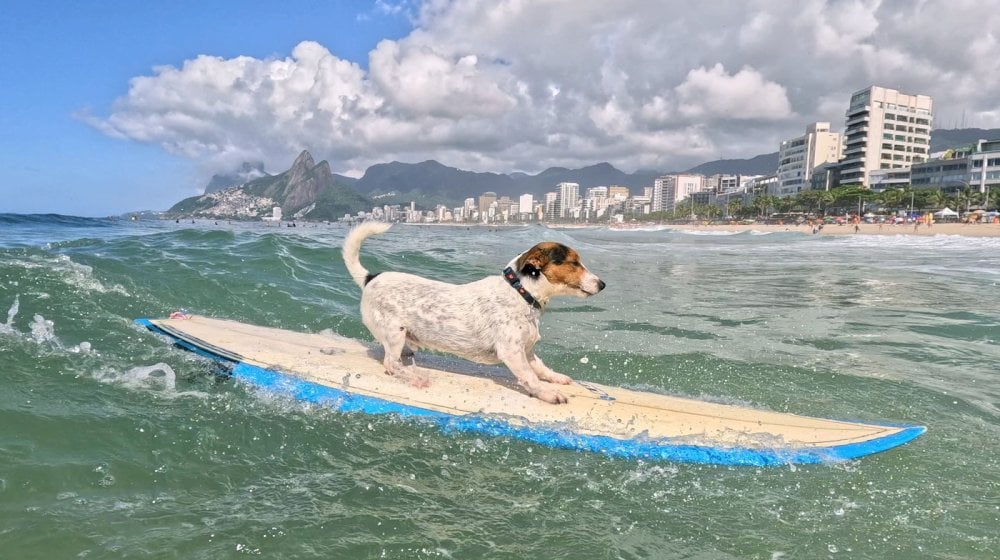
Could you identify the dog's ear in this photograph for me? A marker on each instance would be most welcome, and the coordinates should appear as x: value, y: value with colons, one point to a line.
x: 538, y: 257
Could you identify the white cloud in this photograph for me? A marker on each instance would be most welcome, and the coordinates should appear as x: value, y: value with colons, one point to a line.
x: 515, y: 85
x: 712, y: 94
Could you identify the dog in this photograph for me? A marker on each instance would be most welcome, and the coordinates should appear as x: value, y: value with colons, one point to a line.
x: 489, y: 321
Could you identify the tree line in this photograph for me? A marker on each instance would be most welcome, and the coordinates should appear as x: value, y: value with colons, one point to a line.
x: 846, y: 199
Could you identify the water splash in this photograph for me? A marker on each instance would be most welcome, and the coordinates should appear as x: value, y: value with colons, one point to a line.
x: 158, y: 375
x: 8, y: 327
x: 44, y: 330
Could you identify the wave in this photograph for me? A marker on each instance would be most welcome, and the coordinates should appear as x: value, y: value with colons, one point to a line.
x: 55, y: 219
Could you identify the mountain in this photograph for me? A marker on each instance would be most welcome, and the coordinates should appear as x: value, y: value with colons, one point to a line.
x: 431, y: 182
x: 246, y: 172
x: 307, y: 190
x: 763, y: 164
x: 430, y: 177
x: 310, y: 190
x: 602, y: 174
x: 942, y: 139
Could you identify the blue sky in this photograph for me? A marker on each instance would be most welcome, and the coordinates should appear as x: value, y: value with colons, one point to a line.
x: 61, y: 59
x: 111, y: 107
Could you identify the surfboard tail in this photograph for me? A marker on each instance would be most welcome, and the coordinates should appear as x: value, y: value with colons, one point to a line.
x: 352, y: 249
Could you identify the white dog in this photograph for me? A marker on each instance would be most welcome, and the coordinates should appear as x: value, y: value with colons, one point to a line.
x: 489, y: 321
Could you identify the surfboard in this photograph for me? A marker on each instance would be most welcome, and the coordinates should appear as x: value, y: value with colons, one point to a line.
x: 348, y: 375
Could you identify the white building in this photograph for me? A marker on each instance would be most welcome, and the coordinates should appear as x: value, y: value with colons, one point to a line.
x: 275, y: 215
x: 885, y: 129
x: 799, y: 156
x: 569, y: 199
x: 984, y: 166
x: 551, y: 205
x: 656, y: 203
x: 671, y: 189
x: 525, y: 203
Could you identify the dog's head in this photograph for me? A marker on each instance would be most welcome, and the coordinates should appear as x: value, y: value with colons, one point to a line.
x: 559, y: 266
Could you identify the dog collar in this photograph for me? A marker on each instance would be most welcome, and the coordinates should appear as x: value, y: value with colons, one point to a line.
x: 511, y: 277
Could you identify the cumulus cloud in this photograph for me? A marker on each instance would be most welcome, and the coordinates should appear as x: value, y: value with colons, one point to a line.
x: 511, y: 85
x: 712, y: 94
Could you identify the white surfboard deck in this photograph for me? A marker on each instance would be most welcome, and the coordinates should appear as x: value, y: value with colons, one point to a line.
x: 349, y: 375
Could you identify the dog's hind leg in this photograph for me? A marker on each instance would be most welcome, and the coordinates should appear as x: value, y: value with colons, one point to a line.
x: 394, y: 343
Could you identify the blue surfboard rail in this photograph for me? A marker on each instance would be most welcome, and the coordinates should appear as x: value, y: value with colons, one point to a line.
x: 665, y: 449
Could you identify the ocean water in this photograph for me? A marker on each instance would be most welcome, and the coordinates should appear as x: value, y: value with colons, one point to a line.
x: 114, y: 444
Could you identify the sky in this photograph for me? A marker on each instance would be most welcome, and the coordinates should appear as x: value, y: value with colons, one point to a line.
x: 115, y: 106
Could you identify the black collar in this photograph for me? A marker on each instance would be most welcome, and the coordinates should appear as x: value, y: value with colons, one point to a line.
x: 511, y: 277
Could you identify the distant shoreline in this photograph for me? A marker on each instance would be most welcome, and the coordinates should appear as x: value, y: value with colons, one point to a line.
x: 966, y: 230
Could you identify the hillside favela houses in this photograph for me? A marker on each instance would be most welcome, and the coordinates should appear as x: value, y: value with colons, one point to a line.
x: 882, y: 162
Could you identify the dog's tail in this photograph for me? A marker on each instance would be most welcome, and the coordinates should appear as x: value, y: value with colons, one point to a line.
x: 352, y: 249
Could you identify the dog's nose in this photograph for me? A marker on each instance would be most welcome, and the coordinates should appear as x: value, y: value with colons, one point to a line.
x: 600, y: 285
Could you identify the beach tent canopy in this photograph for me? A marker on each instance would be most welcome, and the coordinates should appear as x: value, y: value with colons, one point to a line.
x: 946, y: 212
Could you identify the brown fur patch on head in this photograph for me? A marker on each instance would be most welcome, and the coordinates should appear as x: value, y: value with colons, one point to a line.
x: 559, y: 263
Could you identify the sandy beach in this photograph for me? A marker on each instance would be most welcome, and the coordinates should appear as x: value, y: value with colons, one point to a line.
x: 970, y: 230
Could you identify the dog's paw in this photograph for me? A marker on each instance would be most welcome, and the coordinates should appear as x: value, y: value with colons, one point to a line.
x: 559, y: 378
x: 551, y: 397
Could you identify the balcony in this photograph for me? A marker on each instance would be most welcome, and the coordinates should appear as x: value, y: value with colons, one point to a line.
x: 855, y: 160
x: 855, y: 151
x: 858, y: 119
x: 856, y: 109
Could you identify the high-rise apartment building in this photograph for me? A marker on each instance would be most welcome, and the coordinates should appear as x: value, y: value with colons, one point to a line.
x: 569, y: 199
x: 485, y: 201
x: 526, y: 203
x: 885, y: 129
x: 671, y: 189
x: 618, y: 192
x: 799, y: 156
x: 551, y: 206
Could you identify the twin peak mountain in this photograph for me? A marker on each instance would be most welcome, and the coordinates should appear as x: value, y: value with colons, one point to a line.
x: 309, y: 190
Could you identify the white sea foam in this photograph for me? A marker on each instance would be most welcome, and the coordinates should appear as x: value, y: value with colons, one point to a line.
x: 43, y: 330
x: 158, y: 375
x: 640, y: 228
x: 707, y: 233
x: 159, y: 378
x: 72, y: 273
x: 8, y: 327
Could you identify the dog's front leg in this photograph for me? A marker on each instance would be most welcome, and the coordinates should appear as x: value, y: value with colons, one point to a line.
x: 545, y: 372
x: 514, y: 358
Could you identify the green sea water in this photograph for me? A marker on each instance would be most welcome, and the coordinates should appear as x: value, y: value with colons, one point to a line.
x: 114, y: 444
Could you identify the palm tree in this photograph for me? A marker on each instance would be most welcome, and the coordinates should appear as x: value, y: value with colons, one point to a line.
x: 761, y: 203
x: 891, y: 198
x: 734, y: 206
x: 784, y: 204
x: 928, y: 198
